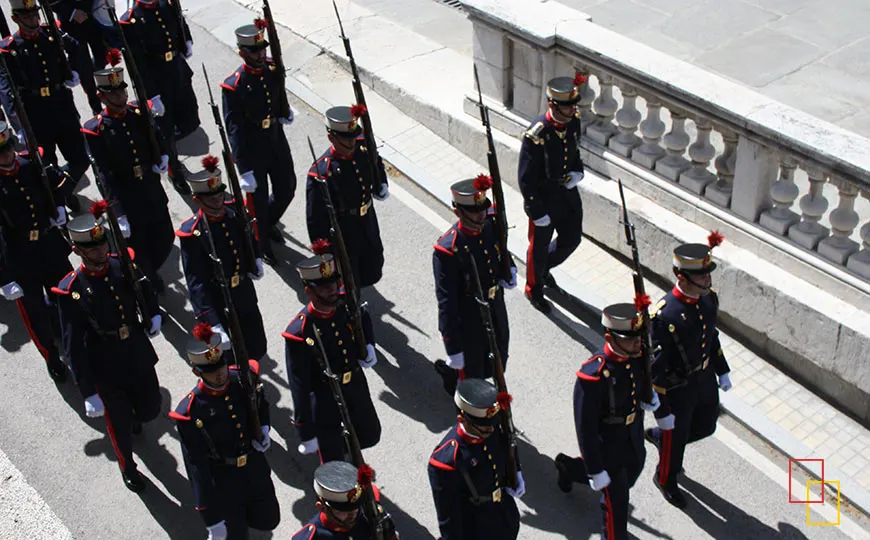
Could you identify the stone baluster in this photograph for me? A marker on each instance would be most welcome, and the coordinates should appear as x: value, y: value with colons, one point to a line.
x: 813, y: 206
x: 676, y: 141
x: 784, y: 192
x: 605, y: 108
x: 860, y: 262
x: 701, y: 152
x: 584, y: 106
x: 628, y: 119
x: 720, y: 192
x: 651, y: 130
x: 844, y: 219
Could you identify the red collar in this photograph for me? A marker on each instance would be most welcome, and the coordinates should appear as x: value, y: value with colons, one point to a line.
x: 95, y: 273
x: 468, y: 232
x: 336, y: 155
x: 330, y: 525
x: 467, y: 437
x: 212, y: 219
x: 683, y: 297
x: 211, y: 391
x: 613, y: 355
x: 553, y: 122
x: 29, y: 37
x: 13, y: 170
x: 110, y: 114
x: 314, y: 312
x: 146, y: 5
x: 250, y: 70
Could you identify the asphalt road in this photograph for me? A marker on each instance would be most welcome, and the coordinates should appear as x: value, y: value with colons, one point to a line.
x: 68, y: 459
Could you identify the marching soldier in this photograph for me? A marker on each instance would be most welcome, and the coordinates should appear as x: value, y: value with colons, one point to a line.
x: 318, y: 419
x: 339, y: 487
x: 37, y: 69
x: 256, y: 134
x: 608, y: 419
x: 350, y: 184
x: 118, y: 142
x: 36, y: 254
x: 686, y: 342
x: 467, y: 470
x: 227, y: 467
x: 76, y: 18
x: 228, y: 236
x: 459, y: 320
x: 549, y: 171
x: 108, y: 347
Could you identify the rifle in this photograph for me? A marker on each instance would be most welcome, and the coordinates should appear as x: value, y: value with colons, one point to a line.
x: 230, y: 166
x: 640, y: 295
x: 351, y: 296
x: 240, y: 351
x: 497, y: 187
x: 30, y: 139
x: 507, y: 421
x: 374, y: 517
x: 57, y: 38
x: 277, y: 59
x: 138, y: 88
x: 368, y: 133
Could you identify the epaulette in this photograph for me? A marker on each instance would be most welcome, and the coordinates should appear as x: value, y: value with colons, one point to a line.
x: 591, y: 369
x: 447, y: 242
x: 321, y: 167
x: 231, y: 83
x: 658, y: 308
x: 26, y: 153
x: 305, y: 533
x: 253, y: 365
x: 182, y: 412
x: 65, y: 284
x: 534, y: 133
x: 127, y: 17
x: 296, y: 329
x: 6, y: 44
x: 93, y: 126
x: 444, y: 457
x: 188, y: 228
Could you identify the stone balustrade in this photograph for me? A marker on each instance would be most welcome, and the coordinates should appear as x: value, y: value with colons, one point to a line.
x: 795, y: 183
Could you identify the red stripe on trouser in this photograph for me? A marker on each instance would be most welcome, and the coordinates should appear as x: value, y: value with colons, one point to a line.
x: 249, y: 203
x: 320, y: 455
x: 530, y: 259
x: 42, y: 350
x: 611, y: 528
x: 665, y: 456
x: 111, y: 430
x: 461, y: 374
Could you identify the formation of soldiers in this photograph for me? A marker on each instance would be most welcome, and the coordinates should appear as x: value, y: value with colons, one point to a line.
x: 97, y: 320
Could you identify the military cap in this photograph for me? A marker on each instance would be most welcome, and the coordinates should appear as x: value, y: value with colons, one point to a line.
x: 110, y: 79
x: 208, y: 180
x: 337, y: 485
x: 623, y: 320
x: 478, y: 401
x: 693, y: 259
x: 204, y: 350
x: 5, y: 134
x: 86, y: 231
x: 251, y: 36
x: 563, y: 90
x: 23, y: 5
x: 344, y: 120
x: 471, y: 193
x: 318, y: 270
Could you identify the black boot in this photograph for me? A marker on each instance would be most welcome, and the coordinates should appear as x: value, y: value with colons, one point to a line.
x: 269, y: 258
x: 564, y: 481
x: 178, y: 176
x: 654, y: 436
x: 136, y: 428
x: 133, y: 480
x: 540, y: 303
x: 57, y: 370
x: 672, y: 493
x: 275, y: 235
x: 449, y: 376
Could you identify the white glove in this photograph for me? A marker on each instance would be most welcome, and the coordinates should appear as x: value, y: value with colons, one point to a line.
x: 599, y: 481
x: 157, y: 106
x: 542, y: 221
x: 248, y: 182
x: 258, y: 262
x: 521, y: 487
x: 124, y: 225
x: 267, y: 442
x: 666, y: 423
x: 61, y: 218
x: 75, y: 81
x: 218, y: 531
x: 371, y: 358
x: 513, y: 282
x: 574, y: 179
x: 225, y: 338
x: 189, y: 51
x: 94, y: 406
x: 384, y: 194
x: 163, y: 166
x: 652, y: 405
x: 11, y: 291
x: 308, y: 447
x: 22, y: 138
x: 289, y: 118
x: 156, y: 323
x: 725, y: 382
x: 456, y: 361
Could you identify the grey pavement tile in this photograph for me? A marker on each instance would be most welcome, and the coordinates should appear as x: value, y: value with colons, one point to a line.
x: 854, y: 58
x: 779, y: 412
x: 655, y: 38
x: 783, y: 7
x: 713, y: 23
x: 768, y: 404
x: 836, y: 24
x: 671, y: 7
x: 582, y: 5
x: 620, y: 15
x: 821, y: 90
x: 454, y: 32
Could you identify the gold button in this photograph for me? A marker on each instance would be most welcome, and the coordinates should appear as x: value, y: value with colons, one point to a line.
x: 239, y: 426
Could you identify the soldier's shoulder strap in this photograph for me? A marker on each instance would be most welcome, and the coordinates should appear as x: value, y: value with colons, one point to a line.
x: 444, y: 456
x: 66, y: 284
x: 253, y: 365
x: 591, y: 369
x: 447, y: 243
x: 535, y: 134
x: 182, y: 411
x: 658, y: 307
x: 321, y: 166
x: 93, y: 126
x: 231, y: 83
x: 127, y: 17
x: 305, y: 533
x: 6, y: 44
x: 188, y: 227
x: 295, y: 331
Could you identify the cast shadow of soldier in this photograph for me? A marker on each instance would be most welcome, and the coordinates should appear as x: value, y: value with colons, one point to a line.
x: 16, y: 335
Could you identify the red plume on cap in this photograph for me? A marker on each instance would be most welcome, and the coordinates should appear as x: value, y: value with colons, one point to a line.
x: 320, y: 246
x: 358, y: 110
x: 579, y: 78
x: 482, y: 182
x: 203, y: 332
x: 113, y: 56
x: 641, y: 301
x: 261, y: 24
x: 365, y: 475
x: 504, y: 400
x: 715, y: 238
x: 210, y: 163
x: 98, y: 208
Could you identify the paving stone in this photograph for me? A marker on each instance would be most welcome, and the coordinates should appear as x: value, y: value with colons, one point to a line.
x: 619, y: 14
x: 830, y: 26
x: 820, y: 80
x: 713, y: 22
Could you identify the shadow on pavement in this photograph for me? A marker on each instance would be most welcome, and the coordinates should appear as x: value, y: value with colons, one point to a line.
x: 16, y: 334
x: 195, y: 144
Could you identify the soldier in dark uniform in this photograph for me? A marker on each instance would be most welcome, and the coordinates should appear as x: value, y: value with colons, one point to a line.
x: 226, y: 466
x: 549, y: 171
x: 255, y: 130
x: 686, y: 341
x: 76, y: 18
x: 608, y: 419
x: 37, y: 69
x: 459, y: 319
x: 339, y: 487
x: 345, y: 166
x: 107, y: 345
x: 318, y: 419
x: 467, y: 470
x: 131, y: 173
x: 36, y: 254
x: 199, y: 271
